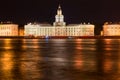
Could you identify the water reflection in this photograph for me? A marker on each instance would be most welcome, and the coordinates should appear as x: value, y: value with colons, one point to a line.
x: 56, y: 59
x: 62, y: 59
x: 30, y: 43
x: 7, y: 65
x: 111, y: 44
x: 86, y: 58
x: 7, y: 44
x: 108, y: 64
x: 30, y: 60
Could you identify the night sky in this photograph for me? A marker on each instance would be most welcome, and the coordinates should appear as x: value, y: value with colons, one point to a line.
x: 75, y: 11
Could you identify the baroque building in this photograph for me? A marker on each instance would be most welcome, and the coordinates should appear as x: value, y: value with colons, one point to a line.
x: 112, y: 29
x: 59, y: 28
x: 8, y: 29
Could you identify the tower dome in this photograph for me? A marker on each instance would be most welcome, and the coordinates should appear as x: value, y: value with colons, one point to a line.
x: 59, y: 18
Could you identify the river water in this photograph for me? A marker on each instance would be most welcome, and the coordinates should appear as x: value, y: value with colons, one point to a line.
x: 59, y: 59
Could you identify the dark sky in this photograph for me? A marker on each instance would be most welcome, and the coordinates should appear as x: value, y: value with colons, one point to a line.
x: 75, y: 11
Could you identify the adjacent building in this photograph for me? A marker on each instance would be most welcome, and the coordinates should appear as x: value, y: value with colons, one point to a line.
x: 59, y: 28
x: 35, y: 29
x: 8, y: 29
x: 112, y: 29
x: 21, y: 31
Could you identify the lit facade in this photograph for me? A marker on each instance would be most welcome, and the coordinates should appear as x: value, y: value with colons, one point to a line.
x: 71, y: 30
x: 59, y: 18
x: 111, y: 29
x: 80, y: 30
x: 8, y: 30
x: 21, y: 31
x: 59, y: 28
x: 39, y: 30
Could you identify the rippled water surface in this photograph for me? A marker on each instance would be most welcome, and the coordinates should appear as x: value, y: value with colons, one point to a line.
x: 59, y: 59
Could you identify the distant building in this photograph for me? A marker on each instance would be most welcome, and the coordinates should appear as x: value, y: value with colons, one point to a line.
x: 111, y: 29
x: 59, y: 28
x: 8, y: 29
x: 21, y: 31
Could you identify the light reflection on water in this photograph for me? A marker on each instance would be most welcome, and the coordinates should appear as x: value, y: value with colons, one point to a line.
x: 62, y: 59
x: 6, y: 65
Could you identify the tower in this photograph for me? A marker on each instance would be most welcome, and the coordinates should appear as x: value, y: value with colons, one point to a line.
x: 59, y: 18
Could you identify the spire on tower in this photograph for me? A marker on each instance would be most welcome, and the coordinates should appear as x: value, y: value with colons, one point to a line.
x: 59, y: 18
x: 59, y: 11
x: 59, y: 7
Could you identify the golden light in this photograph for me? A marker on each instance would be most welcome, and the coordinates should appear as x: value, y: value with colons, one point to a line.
x: 30, y: 66
x: 107, y: 65
x: 7, y: 65
x: 78, y: 62
x: 30, y: 43
x: 7, y: 44
x: 108, y: 41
